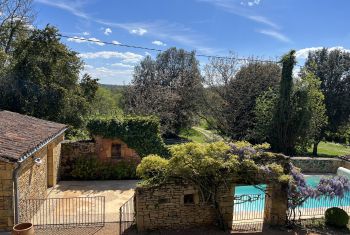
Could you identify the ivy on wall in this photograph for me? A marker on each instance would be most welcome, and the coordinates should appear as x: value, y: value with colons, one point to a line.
x: 140, y: 133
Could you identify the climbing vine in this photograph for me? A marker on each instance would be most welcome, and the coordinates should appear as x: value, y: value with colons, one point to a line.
x: 139, y: 133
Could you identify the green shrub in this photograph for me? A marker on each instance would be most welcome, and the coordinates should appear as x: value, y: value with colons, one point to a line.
x: 152, y: 166
x: 92, y: 168
x: 336, y: 217
x: 139, y: 133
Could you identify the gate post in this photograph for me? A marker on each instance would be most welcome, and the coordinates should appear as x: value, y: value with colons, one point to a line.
x: 226, y: 198
x: 276, y: 204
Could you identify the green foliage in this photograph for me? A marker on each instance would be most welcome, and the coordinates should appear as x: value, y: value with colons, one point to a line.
x: 139, y: 133
x: 169, y: 87
x: 153, y: 169
x: 332, y: 67
x: 232, y: 94
x: 264, y: 111
x: 336, y: 217
x: 92, y: 168
x: 106, y: 102
x: 209, y: 166
x: 43, y: 80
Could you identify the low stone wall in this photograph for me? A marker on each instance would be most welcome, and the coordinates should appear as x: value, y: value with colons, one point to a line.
x: 170, y: 207
x: 319, y: 164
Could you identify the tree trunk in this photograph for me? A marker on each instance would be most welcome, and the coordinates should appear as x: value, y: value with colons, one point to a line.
x: 314, y: 150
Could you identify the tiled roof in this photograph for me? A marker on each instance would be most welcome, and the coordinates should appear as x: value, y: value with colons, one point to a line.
x: 21, y: 134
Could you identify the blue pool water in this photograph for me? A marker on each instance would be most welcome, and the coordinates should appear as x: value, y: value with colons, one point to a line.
x: 258, y: 202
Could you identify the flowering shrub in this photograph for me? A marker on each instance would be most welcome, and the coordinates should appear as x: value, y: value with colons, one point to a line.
x: 212, y: 165
x: 299, y: 191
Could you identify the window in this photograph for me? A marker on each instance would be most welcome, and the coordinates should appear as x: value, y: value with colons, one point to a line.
x: 189, y: 199
x: 116, y: 152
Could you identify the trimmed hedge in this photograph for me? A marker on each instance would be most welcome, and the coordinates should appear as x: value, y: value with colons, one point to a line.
x: 140, y: 133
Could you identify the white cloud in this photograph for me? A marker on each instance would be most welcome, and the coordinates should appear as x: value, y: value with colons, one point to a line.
x: 96, y: 41
x: 277, y: 35
x: 122, y: 65
x: 238, y: 8
x: 158, y: 43
x: 138, y: 31
x: 263, y: 20
x: 76, y: 39
x: 116, y: 42
x: 160, y: 29
x: 86, y: 33
x: 70, y: 6
x: 127, y: 57
x: 107, y: 31
x: 110, y: 75
x: 303, y: 53
x: 86, y: 40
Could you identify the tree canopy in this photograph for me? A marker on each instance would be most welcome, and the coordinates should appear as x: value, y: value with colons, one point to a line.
x: 169, y: 87
x: 43, y: 80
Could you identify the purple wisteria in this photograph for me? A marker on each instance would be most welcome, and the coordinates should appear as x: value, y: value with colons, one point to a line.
x: 299, y: 191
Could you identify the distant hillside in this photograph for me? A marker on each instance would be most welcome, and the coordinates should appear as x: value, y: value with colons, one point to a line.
x: 113, y: 87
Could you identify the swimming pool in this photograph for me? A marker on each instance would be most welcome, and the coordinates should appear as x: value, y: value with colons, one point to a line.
x: 259, y: 203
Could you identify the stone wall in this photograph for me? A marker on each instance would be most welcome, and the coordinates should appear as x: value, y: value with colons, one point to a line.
x: 6, y: 194
x: 70, y: 151
x: 165, y: 207
x: 104, y: 146
x: 32, y: 182
x: 319, y: 164
x: 54, y: 160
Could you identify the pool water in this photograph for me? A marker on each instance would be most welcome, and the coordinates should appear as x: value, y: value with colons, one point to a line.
x: 258, y: 205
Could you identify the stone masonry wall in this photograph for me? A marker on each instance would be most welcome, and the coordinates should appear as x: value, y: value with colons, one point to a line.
x: 32, y: 181
x: 164, y: 208
x: 54, y: 160
x: 318, y: 165
x: 6, y: 194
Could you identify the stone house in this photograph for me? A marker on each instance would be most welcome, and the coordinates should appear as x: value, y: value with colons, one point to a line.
x: 29, y: 161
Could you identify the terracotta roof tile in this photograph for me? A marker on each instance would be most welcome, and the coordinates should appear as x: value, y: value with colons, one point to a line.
x: 20, y: 134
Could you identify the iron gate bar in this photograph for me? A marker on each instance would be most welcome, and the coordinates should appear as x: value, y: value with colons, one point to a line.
x: 73, y: 211
x: 126, y: 215
x: 248, y: 207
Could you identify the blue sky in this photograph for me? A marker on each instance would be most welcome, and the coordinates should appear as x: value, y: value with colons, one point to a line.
x: 263, y: 28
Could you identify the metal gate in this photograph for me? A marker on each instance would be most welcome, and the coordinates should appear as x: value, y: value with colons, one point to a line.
x: 126, y: 215
x: 63, y: 212
x: 248, y: 207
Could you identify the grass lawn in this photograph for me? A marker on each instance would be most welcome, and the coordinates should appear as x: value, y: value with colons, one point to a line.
x: 330, y: 149
x: 193, y: 135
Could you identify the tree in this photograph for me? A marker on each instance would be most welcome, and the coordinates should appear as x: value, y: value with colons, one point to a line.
x: 292, y: 116
x: 235, y: 93
x: 44, y: 80
x: 15, y: 20
x: 332, y: 68
x: 169, y: 87
x: 317, y: 109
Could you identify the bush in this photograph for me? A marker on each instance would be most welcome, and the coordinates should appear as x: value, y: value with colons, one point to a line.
x: 152, y: 166
x: 336, y: 217
x: 92, y: 168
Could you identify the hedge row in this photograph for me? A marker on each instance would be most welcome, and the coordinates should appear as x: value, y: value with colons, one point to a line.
x: 140, y: 133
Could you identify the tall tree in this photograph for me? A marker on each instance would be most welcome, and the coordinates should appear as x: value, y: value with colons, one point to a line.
x: 169, y: 87
x: 44, y: 80
x: 333, y: 69
x: 236, y: 90
x: 292, y: 116
x: 317, y: 108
